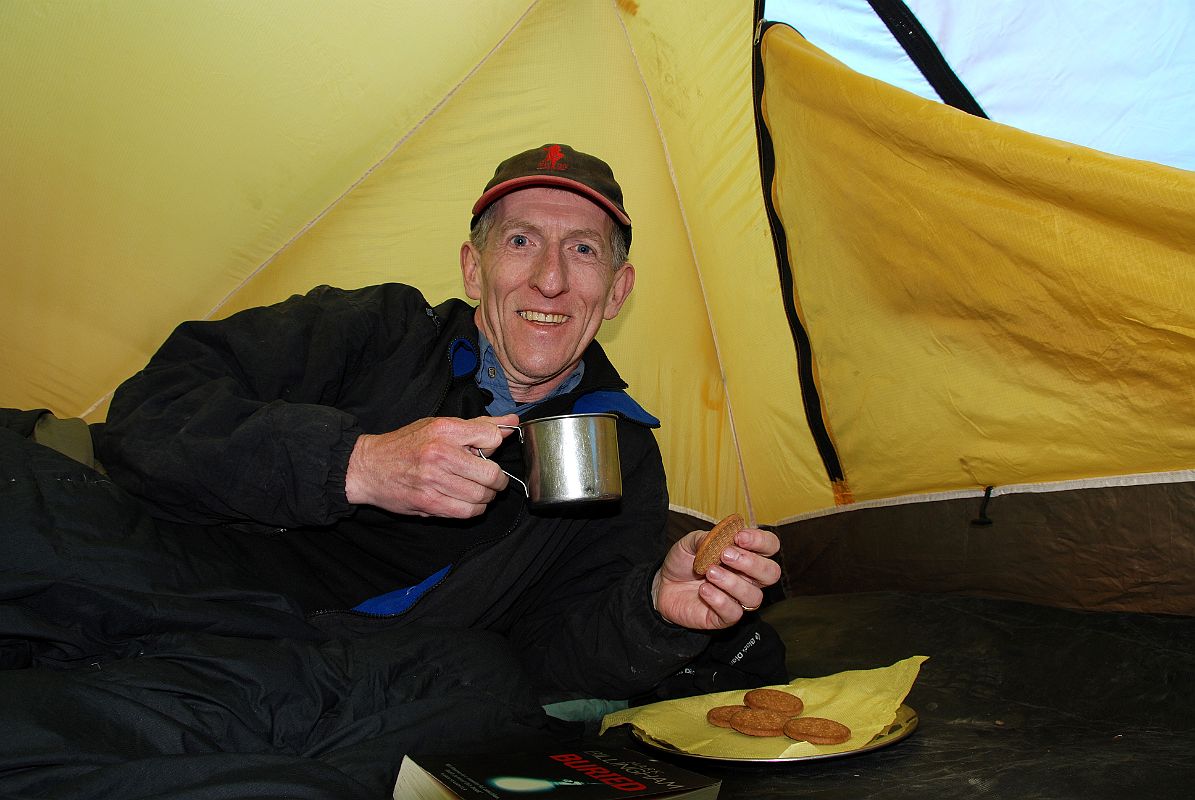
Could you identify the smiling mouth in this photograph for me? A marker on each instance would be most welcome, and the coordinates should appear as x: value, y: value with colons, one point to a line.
x: 539, y: 316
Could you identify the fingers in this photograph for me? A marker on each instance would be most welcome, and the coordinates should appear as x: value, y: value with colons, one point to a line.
x: 430, y: 467
x: 487, y: 433
x: 729, y: 588
x: 730, y: 594
x: 736, y: 584
x: 759, y: 541
x: 749, y: 555
x: 473, y: 481
x: 509, y: 423
x: 691, y: 541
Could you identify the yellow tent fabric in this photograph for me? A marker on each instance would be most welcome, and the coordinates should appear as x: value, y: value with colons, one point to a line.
x: 165, y: 162
x: 986, y: 306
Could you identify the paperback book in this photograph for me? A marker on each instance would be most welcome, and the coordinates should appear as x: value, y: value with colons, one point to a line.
x: 593, y: 774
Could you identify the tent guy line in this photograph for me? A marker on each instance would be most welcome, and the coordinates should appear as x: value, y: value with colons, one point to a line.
x: 749, y: 509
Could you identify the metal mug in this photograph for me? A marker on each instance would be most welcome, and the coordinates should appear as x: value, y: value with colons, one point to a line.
x: 571, y: 458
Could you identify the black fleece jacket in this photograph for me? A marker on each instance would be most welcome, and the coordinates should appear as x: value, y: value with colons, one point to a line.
x: 239, y: 431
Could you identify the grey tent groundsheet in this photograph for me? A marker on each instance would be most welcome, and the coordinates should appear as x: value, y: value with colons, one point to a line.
x: 1017, y: 700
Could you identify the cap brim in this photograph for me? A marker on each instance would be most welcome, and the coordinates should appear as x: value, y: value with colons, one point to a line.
x: 552, y: 181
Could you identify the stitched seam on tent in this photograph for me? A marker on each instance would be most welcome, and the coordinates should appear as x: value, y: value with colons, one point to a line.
x: 1137, y: 479
x: 734, y: 437
x: 692, y: 512
x: 310, y: 224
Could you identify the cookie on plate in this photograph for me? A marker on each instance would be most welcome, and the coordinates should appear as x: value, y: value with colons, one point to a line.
x: 757, y: 722
x: 774, y: 700
x: 816, y: 730
x: 720, y: 715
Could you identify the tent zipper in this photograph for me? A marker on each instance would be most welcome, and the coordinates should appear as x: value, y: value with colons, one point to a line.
x: 811, y: 401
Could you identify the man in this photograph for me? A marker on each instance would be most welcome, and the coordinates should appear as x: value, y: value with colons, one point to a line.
x: 358, y: 414
x: 328, y: 539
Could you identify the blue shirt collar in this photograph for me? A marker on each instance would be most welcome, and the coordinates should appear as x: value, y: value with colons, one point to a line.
x: 492, y: 379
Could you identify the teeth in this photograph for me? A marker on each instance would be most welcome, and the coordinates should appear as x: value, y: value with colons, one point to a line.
x: 537, y: 316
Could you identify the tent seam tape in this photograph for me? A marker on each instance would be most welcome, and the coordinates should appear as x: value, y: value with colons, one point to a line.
x: 692, y: 512
x: 696, y: 263
x: 1136, y: 479
x: 312, y: 222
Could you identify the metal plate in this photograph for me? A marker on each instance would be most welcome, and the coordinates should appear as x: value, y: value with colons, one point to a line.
x: 904, y: 724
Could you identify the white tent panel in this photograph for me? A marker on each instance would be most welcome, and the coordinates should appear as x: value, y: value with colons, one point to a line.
x: 1114, y: 76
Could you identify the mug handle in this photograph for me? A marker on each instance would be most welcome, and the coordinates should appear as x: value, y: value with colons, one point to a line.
x: 518, y: 428
x: 482, y: 455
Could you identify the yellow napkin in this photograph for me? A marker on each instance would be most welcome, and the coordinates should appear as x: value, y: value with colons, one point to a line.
x: 866, y: 701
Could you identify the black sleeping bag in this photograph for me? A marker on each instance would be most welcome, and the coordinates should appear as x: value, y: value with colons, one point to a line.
x: 136, y: 665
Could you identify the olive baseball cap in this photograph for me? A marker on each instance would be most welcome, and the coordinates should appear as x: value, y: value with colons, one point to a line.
x: 557, y: 166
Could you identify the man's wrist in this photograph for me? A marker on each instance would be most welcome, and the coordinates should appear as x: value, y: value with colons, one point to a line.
x: 656, y: 580
x: 354, y: 476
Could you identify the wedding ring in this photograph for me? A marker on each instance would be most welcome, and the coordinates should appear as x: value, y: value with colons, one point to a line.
x: 753, y: 608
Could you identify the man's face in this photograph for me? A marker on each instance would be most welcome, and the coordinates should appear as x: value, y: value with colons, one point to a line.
x: 545, y: 283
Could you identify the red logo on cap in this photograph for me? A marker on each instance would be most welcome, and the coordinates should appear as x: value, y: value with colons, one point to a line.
x: 553, y: 158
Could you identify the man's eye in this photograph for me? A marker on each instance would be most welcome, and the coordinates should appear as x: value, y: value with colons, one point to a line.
x: 518, y: 240
x: 584, y: 249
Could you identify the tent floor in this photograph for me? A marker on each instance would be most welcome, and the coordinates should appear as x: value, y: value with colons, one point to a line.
x: 1016, y: 700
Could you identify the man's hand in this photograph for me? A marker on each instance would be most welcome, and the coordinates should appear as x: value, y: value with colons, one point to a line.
x: 720, y: 597
x: 429, y: 468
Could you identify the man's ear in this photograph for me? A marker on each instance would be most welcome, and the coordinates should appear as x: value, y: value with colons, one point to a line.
x: 620, y: 290
x: 471, y: 270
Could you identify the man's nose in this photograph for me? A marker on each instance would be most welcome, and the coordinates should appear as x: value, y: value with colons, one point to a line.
x: 550, y: 275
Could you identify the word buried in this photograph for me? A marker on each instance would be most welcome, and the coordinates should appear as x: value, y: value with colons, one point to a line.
x: 599, y: 773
